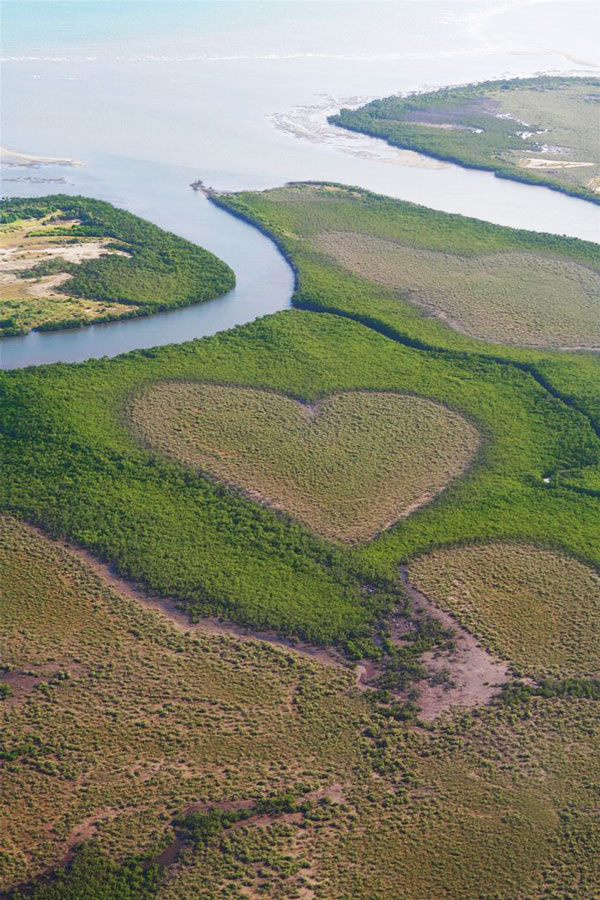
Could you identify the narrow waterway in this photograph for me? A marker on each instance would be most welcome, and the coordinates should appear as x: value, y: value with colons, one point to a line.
x: 237, y: 94
x: 264, y: 284
x: 264, y: 279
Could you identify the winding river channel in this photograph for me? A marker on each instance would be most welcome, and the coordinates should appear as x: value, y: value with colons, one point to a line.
x: 264, y: 280
x: 264, y: 284
x: 237, y: 94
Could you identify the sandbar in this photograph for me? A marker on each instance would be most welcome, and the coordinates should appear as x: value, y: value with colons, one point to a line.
x: 14, y: 158
x: 552, y: 164
x: 417, y: 160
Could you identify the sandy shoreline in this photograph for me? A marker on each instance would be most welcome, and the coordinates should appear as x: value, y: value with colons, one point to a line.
x: 30, y: 160
x: 533, y: 163
x: 416, y: 160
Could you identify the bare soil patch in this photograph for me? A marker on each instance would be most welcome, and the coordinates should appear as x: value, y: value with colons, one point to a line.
x: 25, y: 245
x: 530, y: 163
x: 18, y: 258
x: 23, y: 682
x: 474, y: 676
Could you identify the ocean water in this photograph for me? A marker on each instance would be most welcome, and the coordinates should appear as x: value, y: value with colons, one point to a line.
x: 153, y: 95
x: 237, y: 92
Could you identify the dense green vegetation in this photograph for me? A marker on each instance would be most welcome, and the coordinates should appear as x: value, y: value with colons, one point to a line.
x: 298, y: 217
x: 94, y: 876
x: 200, y: 826
x: 155, y: 270
x: 73, y: 466
x: 499, y: 125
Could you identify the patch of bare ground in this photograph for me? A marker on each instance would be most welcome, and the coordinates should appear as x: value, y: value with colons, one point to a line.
x: 44, y: 286
x: 532, y: 163
x: 450, y: 126
x: 466, y: 676
x: 16, y: 261
x: 366, y: 671
x: 18, y: 258
x: 25, y: 246
x: 22, y: 683
x: 85, y: 830
x: 207, y: 624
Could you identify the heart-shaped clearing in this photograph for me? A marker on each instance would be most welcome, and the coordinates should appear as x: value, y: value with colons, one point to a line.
x: 347, y: 467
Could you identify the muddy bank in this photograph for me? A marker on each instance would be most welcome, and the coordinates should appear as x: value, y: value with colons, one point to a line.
x: 211, y: 625
x: 465, y: 676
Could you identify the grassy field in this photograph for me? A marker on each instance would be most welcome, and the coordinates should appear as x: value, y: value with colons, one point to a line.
x: 69, y: 261
x: 541, y: 130
x: 310, y: 460
x: 302, y: 216
x: 508, y: 298
x: 280, y: 777
x: 535, y: 607
x: 117, y: 722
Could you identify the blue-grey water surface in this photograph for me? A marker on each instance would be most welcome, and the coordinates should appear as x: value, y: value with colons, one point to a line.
x: 153, y: 95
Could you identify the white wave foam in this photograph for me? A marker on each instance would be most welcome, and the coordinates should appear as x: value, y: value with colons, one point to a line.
x: 6, y: 59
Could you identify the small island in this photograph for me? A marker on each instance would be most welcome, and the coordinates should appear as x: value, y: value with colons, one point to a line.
x: 541, y: 130
x: 71, y: 261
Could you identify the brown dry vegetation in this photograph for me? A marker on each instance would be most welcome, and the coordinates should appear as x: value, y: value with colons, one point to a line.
x: 564, y: 126
x: 132, y: 722
x: 126, y: 721
x: 347, y: 467
x: 513, y: 298
x: 33, y: 300
x: 537, y: 608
